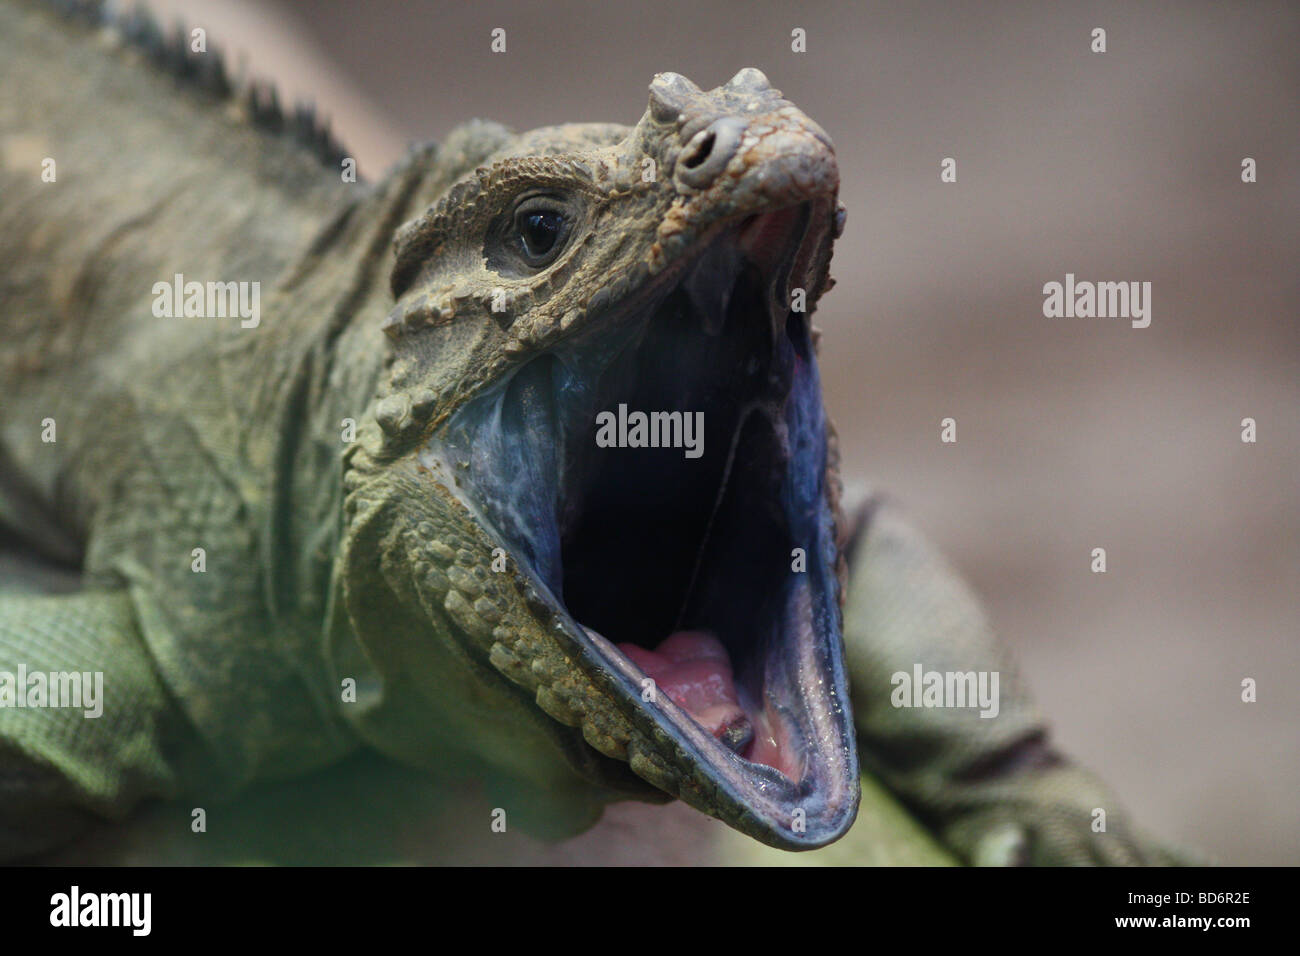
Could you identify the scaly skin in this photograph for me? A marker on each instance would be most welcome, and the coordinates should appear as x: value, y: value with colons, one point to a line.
x: 329, y: 561
x: 433, y: 551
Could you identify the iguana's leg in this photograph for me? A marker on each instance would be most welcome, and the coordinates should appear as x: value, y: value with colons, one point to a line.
x: 59, y: 768
x: 992, y: 788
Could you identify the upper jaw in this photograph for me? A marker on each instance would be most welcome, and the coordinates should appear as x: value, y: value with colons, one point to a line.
x: 522, y: 446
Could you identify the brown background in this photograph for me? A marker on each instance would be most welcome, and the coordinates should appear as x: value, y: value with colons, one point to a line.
x: 1073, y: 433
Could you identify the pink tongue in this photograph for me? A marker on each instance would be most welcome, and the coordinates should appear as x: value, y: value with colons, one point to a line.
x: 694, y: 669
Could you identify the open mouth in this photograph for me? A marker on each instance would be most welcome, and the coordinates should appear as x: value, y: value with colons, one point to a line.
x: 662, y: 478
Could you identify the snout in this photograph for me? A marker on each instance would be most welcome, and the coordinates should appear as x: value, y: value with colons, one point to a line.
x: 744, y: 133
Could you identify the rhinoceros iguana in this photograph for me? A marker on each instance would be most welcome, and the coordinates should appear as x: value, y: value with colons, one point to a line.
x: 512, y: 464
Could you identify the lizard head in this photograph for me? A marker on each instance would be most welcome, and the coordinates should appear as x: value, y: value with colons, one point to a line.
x: 599, y: 499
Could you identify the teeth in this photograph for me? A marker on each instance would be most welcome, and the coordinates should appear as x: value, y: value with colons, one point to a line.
x: 782, y: 283
x: 737, y: 735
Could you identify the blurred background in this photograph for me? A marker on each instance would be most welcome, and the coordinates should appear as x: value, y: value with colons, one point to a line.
x: 1072, y: 433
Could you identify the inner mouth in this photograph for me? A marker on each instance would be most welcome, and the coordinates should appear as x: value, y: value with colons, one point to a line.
x: 663, y: 478
x: 681, y: 556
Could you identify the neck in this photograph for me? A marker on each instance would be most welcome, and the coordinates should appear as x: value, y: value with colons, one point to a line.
x: 312, y: 372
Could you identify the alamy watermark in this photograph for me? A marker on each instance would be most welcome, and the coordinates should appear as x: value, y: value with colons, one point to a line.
x: 651, y: 430
x: 82, y: 690
x: 208, y: 300
x: 130, y: 910
x: 958, y: 689
x: 1102, y: 300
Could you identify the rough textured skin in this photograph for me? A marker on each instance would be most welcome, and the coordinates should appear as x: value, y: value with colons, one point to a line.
x: 329, y: 560
x: 433, y: 554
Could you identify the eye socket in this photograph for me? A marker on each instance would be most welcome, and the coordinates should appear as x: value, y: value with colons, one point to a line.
x: 541, y: 227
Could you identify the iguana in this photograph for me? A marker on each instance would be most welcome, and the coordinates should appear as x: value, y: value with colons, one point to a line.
x: 378, y: 513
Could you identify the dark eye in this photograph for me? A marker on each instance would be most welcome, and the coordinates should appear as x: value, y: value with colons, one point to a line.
x: 542, y: 228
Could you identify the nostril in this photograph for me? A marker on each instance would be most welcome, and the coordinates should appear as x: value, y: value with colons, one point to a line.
x: 708, y: 151
x: 699, y: 149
